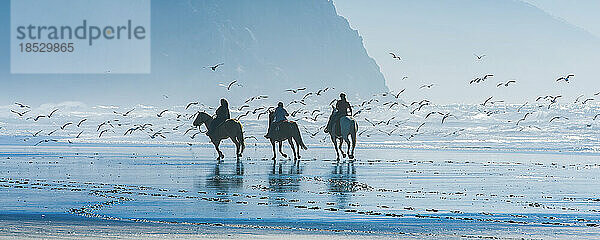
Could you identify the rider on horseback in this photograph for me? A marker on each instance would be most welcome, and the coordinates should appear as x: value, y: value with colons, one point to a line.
x: 342, y: 108
x: 279, y: 116
x: 221, y: 115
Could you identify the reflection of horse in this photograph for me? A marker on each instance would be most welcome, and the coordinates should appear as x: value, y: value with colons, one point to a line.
x: 231, y: 128
x: 348, y: 127
x: 281, y: 180
x: 288, y: 130
x: 342, y: 181
x: 221, y: 181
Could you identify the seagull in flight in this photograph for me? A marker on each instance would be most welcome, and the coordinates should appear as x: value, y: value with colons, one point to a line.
x: 427, y: 86
x: 53, y: 111
x: 65, y: 125
x: 558, y: 117
x: 296, y: 90
x: 125, y: 113
x: 394, y: 56
x: 387, y: 133
x: 80, y: 122
x: 231, y: 84
x: 162, y: 112
x: 478, y: 56
x: 214, y: 68
x: 566, y: 79
x: 398, y: 94
x: 586, y: 100
x: 45, y: 141
x: 103, y: 131
x: 20, y: 113
x: 22, y: 105
x: 447, y: 115
x: 486, y: 101
x: 506, y: 83
x: 190, y: 104
x: 418, y: 128
x: 431, y: 113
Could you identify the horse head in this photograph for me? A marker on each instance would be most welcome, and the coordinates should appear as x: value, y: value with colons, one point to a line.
x: 271, y: 115
x: 333, y: 111
x: 201, y: 118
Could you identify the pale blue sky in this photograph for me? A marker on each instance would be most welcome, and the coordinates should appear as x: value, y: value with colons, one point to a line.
x: 437, y: 40
x: 583, y: 13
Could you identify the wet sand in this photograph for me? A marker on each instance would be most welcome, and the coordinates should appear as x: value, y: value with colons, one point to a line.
x: 60, y: 226
x: 182, y: 192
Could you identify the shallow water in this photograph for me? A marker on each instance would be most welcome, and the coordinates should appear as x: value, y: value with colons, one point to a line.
x: 391, y: 190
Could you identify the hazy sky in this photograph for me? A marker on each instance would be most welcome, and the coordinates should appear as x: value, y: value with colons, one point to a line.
x: 437, y: 40
x: 583, y: 13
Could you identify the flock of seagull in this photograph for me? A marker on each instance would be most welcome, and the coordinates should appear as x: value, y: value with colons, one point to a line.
x: 306, y: 107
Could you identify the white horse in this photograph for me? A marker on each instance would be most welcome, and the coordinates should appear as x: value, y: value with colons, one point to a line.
x: 349, y: 127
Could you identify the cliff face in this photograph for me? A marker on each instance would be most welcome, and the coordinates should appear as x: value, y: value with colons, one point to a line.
x: 267, y: 45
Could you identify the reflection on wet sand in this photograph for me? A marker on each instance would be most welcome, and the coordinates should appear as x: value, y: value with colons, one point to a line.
x: 223, y: 181
x: 285, y: 181
x: 342, y: 181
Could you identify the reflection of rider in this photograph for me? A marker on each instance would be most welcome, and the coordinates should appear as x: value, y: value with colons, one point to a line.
x: 342, y: 108
x: 279, y: 116
x: 221, y: 115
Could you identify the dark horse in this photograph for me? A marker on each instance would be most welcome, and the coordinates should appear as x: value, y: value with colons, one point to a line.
x: 231, y: 128
x: 288, y: 130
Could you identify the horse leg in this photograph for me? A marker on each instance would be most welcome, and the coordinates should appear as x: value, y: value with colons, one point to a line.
x: 274, y: 153
x: 342, y: 150
x: 240, y: 139
x: 334, y: 140
x: 237, y: 147
x: 216, y: 143
x: 293, y: 149
x: 353, y: 135
x: 281, y: 151
x: 348, y: 143
x: 298, y: 149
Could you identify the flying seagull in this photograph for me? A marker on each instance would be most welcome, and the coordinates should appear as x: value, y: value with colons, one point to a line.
x: 427, y: 86
x: 162, y: 112
x: 486, y: 101
x: 296, y: 90
x: 214, y: 68
x: 506, y: 83
x: 80, y: 122
x: 19, y: 113
x: 394, y: 56
x: 231, y: 84
x: 566, y: 79
x: 479, y: 57
x: 21, y: 105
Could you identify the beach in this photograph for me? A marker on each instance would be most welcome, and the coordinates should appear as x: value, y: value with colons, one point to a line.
x: 183, y: 192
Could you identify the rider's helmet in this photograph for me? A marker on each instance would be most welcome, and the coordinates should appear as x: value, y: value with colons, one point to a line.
x: 280, y: 104
x: 224, y: 102
x: 342, y: 95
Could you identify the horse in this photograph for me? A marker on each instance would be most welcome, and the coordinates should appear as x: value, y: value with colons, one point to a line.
x: 349, y: 127
x: 288, y: 130
x: 231, y: 128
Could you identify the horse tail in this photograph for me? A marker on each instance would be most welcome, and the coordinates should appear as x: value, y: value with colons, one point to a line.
x: 354, y: 131
x: 297, y: 136
x: 241, y: 138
